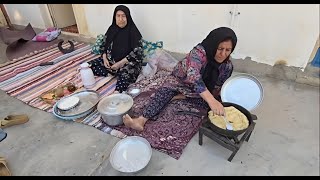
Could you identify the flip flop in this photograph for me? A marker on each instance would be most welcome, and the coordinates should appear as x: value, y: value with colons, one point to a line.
x: 3, y: 135
x: 11, y: 120
x: 4, y: 170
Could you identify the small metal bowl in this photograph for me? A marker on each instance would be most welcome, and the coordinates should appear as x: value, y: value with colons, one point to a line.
x: 134, y: 92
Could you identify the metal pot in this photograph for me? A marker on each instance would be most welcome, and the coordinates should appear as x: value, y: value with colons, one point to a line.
x: 113, y: 107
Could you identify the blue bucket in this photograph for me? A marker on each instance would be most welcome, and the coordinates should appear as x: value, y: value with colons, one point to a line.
x: 316, y: 60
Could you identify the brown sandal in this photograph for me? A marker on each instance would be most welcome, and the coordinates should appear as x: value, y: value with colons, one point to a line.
x: 13, y: 120
x: 4, y: 170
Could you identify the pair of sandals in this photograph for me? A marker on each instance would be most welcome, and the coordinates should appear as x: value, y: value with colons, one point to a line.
x: 8, y: 121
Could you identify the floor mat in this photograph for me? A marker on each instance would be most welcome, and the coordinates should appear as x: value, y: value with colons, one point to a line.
x: 25, y: 80
x: 20, y: 44
x: 170, y: 132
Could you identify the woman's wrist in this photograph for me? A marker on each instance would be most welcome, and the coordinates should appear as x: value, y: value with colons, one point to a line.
x: 124, y: 61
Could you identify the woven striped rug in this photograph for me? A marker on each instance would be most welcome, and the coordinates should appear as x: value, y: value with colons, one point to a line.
x: 25, y: 80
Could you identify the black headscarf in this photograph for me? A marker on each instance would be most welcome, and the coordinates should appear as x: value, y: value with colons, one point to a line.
x: 211, y: 44
x: 124, y: 39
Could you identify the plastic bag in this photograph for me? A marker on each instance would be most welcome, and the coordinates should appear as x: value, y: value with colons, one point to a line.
x: 47, y: 35
x: 159, y: 60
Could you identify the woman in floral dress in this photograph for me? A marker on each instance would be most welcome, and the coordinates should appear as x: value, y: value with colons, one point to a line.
x: 200, y: 76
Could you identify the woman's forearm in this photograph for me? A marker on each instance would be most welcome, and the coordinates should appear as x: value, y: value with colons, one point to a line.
x: 214, y: 105
x: 104, y: 56
x: 124, y: 61
x: 208, y: 97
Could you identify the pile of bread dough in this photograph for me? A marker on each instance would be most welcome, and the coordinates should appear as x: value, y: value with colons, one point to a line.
x: 235, y: 117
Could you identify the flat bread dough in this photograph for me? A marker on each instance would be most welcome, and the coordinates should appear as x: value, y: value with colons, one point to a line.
x: 236, y: 118
x: 68, y: 103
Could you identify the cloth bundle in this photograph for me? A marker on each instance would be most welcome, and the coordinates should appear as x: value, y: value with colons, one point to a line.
x: 47, y: 35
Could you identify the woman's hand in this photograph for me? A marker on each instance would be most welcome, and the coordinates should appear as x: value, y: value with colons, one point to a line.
x: 217, y: 108
x: 105, y: 61
x: 214, y: 104
x: 119, y: 64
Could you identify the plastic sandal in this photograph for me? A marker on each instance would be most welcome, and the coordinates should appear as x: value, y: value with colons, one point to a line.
x: 3, y: 135
x: 13, y: 120
x: 4, y: 170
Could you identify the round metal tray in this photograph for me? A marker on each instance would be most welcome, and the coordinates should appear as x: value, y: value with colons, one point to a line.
x: 71, y: 118
x: 131, y: 154
x: 88, y: 100
x: 243, y: 89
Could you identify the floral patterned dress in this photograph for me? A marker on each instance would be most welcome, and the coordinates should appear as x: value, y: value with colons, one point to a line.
x: 127, y: 74
x: 186, y: 79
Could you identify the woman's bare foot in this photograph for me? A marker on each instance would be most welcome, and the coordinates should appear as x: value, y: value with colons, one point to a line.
x: 136, y: 123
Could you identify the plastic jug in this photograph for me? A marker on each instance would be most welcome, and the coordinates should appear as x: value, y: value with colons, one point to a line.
x: 87, y: 76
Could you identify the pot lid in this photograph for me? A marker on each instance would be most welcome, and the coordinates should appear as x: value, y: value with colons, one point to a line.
x: 115, y: 104
x: 243, y: 89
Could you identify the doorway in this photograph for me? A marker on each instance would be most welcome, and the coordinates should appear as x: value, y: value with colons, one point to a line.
x: 4, y: 18
x: 63, y: 17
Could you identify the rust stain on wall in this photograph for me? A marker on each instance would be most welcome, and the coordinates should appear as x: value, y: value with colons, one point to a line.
x: 281, y: 62
x: 81, y: 20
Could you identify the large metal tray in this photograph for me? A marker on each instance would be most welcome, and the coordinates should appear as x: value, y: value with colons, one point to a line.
x: 88, y: 100
x: 131, y: 154
x: 243, y: 89
x: 71, y: 118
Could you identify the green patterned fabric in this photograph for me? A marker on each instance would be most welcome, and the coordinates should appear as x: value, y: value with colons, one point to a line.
x: 148, y: 47
x: 98, y: 46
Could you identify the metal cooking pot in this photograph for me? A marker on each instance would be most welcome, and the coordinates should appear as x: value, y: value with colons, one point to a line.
x: 113, y: 107
x: 230, y: 133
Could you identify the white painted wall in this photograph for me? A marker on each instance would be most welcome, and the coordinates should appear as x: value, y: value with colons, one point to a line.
x: 180, y: 26
x: 22, y: 14
x: 46, y: 16
x: 269, y: 33
x: 266, y: 33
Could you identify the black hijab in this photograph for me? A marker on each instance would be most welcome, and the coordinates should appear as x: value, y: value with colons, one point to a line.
x: 210, y: 44
x: 124, y: 39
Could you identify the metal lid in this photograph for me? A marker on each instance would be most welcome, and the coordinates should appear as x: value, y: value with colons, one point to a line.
x: 243, y: 89
x: 115, y: 104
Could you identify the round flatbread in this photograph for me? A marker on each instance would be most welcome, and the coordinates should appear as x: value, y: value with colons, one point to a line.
x: 235, y: 117
x: 68, y: 103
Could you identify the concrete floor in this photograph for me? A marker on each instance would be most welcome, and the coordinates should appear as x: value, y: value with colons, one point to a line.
x: 285, y: 141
